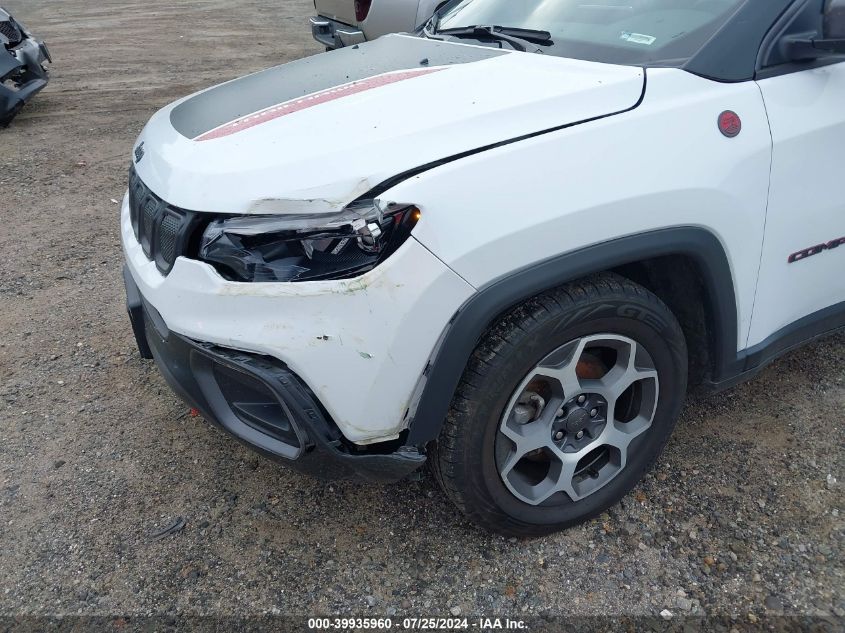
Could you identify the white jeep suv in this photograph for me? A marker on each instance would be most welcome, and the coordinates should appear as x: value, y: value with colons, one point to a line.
x: 505, y: 246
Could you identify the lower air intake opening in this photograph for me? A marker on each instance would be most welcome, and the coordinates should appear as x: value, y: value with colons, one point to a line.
x: 255, y: 405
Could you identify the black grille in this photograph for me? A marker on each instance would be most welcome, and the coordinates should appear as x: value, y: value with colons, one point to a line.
x: 162, y: 230
x: 11, y: 32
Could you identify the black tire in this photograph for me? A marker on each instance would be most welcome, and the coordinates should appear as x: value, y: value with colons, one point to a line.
x: 463, y: 458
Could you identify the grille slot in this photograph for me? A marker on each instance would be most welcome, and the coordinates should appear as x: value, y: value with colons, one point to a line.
x: 162, y: 230
x: 168, y: 235
x: 150, y: 209
x: 11, y: 33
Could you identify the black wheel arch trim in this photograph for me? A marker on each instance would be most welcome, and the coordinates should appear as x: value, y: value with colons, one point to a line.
x: 446, y: 367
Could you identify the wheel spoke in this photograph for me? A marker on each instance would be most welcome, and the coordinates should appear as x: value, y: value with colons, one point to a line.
x: 561, y: 366
x: 569, y: 462
x: 620, y: 436
x: 529, y: 437
x: 625, y: 373
x: 561, y: 479
x: 619, y: 440
x: 542, y: 491
x: 631, y: 376
x: 565, y: 376
x: 509, y: 465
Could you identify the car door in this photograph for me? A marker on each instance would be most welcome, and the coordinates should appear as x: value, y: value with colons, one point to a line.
x: 801, y: 286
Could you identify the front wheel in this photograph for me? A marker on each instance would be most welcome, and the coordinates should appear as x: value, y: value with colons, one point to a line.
x: 565, y: 404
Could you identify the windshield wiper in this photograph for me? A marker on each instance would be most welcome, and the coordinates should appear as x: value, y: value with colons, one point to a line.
x: 516, y: 37
x: 430, y: 27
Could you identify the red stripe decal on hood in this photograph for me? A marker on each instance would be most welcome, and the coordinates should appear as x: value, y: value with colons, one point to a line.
x: 303, y: 103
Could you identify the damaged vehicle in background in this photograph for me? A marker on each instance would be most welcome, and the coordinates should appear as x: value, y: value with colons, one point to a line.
x: 505, y: 245
x: 342, y: 23
x: 22, y: 70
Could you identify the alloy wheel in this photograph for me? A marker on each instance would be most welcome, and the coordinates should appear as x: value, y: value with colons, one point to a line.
x: 568, y: 427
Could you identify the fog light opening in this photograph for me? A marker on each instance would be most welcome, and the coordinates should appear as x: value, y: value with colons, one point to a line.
x: 252, y: 402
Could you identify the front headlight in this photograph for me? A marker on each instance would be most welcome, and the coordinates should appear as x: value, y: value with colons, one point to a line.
x: 307, y: 247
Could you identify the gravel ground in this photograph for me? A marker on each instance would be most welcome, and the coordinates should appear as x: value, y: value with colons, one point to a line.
x: 743, y: 515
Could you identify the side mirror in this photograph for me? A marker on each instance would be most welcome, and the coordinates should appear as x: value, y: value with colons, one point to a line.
x: 832, y: 41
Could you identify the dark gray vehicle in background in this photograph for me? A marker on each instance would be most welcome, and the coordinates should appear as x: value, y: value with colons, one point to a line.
x: 22, y: 70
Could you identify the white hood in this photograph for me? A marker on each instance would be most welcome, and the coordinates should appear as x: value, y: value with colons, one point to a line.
x: 316, y: 134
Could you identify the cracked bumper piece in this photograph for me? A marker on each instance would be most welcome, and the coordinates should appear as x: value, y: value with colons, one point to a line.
x: 334, y: 34
x: 258, y: 400
x: 22, y: 76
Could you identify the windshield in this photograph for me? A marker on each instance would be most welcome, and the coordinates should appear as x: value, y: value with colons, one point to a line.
x: 636, y: 32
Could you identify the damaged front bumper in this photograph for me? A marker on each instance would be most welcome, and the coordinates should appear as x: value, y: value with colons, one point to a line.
x: 361, y: 344
x: 320, y: 375
x: 260, y: 401
x: 22, y: 67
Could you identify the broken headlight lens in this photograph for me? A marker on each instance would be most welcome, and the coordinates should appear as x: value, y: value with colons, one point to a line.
x: 307, y: 247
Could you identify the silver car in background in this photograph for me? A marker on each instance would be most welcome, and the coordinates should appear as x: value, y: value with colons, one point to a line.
x: 341, y: 23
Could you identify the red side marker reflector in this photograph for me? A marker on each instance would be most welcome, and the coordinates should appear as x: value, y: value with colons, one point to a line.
x: 362, y: 9
x: 729, y: 123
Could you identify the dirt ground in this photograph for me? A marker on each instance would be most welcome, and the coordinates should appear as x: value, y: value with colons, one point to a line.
x: 743, y: 515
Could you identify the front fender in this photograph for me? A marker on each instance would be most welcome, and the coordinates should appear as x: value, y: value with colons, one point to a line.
x: 662, y: 164
x: 596, y: 195
x: 468, y: 325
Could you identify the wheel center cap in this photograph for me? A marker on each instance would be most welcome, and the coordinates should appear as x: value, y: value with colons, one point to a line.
x: 577, y: 421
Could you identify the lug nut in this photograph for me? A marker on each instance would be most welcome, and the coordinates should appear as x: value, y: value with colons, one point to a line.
x: 593, y: 412
x: 582, y: 399
x: 561, y: 412
x: 579, y: 435
x: 559, y: 436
